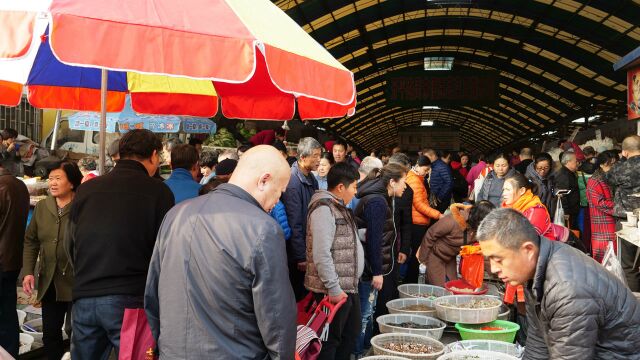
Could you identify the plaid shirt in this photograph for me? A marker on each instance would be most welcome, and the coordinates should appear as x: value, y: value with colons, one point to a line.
x: 603, y: 224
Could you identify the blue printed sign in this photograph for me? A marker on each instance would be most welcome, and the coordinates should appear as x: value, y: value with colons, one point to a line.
x: 90, y: 121
x: 198, y: 126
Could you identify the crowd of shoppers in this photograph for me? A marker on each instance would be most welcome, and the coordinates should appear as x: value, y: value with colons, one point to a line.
x: 219, y: 253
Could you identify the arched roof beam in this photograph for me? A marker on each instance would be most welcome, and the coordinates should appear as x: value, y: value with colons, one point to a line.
x: 541, y: 63
x: 555, y: 17
x: 539, y: 80
x: 492, y: 29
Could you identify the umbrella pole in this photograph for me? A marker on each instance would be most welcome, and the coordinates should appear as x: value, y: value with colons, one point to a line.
x: 56, y: 126
x: 103, y: 121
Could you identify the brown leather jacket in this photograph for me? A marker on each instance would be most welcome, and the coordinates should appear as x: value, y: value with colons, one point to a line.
x: 14, y: 209
x: 445, y: 237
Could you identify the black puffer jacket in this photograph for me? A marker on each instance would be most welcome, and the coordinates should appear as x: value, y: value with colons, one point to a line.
x: 374, y: 213
x: 578, y: 310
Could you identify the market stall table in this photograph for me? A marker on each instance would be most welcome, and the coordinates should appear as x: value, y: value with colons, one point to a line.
x: 630, y: 235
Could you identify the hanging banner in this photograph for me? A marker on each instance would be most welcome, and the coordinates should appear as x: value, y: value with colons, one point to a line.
x: 442, y: 88
x: 198, y: 126
x: 633, y: 93
x: 90, y: 121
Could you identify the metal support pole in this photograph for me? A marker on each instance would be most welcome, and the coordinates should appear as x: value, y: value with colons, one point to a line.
x: 103, y: 122
x: 56, y: 126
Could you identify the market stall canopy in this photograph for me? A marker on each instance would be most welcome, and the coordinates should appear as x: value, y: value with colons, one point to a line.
x: 248, y: 54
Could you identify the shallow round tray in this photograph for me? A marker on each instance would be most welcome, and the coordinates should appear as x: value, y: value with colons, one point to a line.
x: 504, y: 311
x: 436, y: 333
x: 488, y: 345
x: 466, y: 316
x: 410, y: 291
x: 476, y: 355
x: 379, y: 340
x: 396, y: 306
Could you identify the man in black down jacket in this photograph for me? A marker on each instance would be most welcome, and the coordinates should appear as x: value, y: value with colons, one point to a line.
x: 576, y: 309
x: 566, y: 179
x: 113, y: 225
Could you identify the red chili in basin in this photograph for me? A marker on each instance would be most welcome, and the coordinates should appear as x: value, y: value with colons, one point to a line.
x: 491, y: 328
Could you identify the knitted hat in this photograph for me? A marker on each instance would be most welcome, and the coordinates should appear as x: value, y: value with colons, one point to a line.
x: 226, y: 167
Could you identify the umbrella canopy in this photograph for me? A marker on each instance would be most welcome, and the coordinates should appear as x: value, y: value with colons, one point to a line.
x: 54, y: 85
x: 256, y: 59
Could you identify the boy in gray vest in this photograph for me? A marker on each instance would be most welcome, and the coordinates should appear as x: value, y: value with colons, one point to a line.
x: 335, y: 258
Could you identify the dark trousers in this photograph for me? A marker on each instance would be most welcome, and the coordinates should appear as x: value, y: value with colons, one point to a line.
x: 9, y: 338
x: 417, y: 233
x: 97, y: 322
x: 628, y: 254
x: 343, y: 331
x: 296, y: 277
x: 53, y: 313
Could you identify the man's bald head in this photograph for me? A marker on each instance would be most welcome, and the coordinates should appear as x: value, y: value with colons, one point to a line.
x: 263, y: 173
x: 631, y: 146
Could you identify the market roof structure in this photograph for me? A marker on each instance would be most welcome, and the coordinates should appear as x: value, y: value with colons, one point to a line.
x: 554, y: 58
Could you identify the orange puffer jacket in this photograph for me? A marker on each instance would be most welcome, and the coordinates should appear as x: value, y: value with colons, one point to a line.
x: 421, y: 211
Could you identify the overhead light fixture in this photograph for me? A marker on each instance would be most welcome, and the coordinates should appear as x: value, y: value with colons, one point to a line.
x: 549, y: 133
x: 581, y: 120
x: 426, y: 123
x: 431, y: 107
x: 438, y: 63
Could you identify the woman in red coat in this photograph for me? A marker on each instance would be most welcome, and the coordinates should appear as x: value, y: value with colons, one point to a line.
x: 603, y: 224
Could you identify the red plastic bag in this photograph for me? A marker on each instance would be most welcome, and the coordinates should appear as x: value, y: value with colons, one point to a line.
x: 136, y: 340
x: 472, y: 266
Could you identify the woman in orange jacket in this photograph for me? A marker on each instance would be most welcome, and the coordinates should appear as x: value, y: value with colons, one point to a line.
x: 421, y: 212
